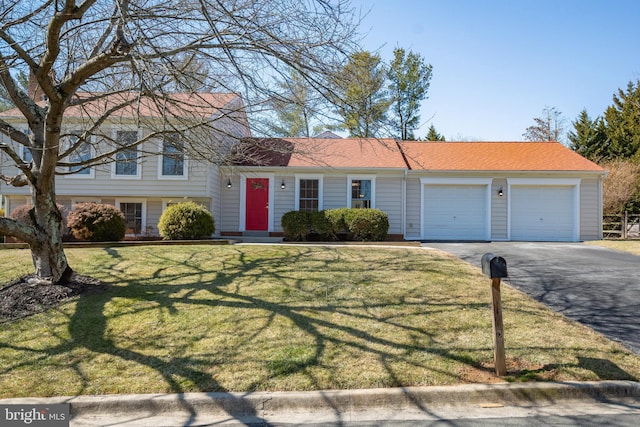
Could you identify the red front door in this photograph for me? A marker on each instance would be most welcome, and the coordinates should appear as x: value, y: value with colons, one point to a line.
x: 257, y: 217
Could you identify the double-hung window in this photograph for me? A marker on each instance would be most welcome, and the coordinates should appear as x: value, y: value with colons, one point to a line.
x: 173, y: 162
x: 309, y: 196
x: 82, y: 153
x: 361, y: 192
x: 127, y: 160
x: 308, y: 193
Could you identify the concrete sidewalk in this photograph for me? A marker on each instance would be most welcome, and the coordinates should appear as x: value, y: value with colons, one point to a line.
x: 421, y: 405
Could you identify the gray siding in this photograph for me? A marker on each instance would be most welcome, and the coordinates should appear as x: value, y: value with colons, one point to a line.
x: 389, y: 200
x: 590, y: 209
x: 335, y: 192
x: 413, y: 203
x: 230, y: 205
x: 284, y: 199
x: 499, y: 207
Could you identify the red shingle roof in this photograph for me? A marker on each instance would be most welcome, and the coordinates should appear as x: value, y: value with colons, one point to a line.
x: 494, y: 156
x: 321, y: 152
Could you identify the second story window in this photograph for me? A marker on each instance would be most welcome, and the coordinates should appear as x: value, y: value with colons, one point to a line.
x: 81, y: 154
x: 173, y: 163
x: 126, y: 161
x: 26, y: 154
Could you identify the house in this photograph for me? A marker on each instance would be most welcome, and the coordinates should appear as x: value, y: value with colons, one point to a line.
x: 539, y: 191
x: 143, y: 180
x: 482, y: 191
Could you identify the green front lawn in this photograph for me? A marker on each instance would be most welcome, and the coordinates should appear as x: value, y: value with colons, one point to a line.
x: 241, y: 318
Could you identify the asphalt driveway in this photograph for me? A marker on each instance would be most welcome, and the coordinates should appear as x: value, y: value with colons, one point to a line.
x: 597, y: 287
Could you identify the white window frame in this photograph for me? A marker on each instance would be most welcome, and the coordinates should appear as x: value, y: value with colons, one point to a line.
x: 351, y: 178
x: 143, y: 222
x: 320, y: 178
x: 185, y: 164
x: 138, y: 174
x: 92, y: 173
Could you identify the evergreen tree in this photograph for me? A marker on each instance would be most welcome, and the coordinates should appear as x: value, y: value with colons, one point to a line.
x: 622, y: 120
x: 295, y: 107
x: 409, y: 78
x: 362, y: 102
x: 589, y: 137
x: 433, y: 135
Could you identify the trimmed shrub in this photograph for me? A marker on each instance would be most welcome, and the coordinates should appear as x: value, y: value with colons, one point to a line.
x: 186, y: 220
x: 367, y: 224
x: 97, y: 222
x: 321, y: 226
x: 336, y: 219
x: 22, y: 214
x: 296, y: 225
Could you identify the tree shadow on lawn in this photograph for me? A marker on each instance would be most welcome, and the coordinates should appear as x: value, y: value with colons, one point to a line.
x: 88, y: 325
x: 204, y: 288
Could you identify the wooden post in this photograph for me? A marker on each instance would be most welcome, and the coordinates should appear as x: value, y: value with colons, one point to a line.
x: 625, y: 225
x: 498, y: 329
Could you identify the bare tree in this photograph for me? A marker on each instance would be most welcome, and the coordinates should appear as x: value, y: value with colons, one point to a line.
x: 621, y: 185
x: 104, y: 58
x: 548, y: 127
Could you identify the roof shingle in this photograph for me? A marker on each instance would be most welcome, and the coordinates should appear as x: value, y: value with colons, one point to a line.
x: 494, y: 156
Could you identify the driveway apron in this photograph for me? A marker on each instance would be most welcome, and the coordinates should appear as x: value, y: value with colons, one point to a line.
x: 597, y: 287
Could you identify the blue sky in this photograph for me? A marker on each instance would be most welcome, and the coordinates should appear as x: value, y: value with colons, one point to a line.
x: 498, y: 63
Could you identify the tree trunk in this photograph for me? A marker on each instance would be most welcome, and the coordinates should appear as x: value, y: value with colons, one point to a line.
x: 47, y: 252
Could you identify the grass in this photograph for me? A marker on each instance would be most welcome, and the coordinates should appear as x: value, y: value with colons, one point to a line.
x: 244, y: 318
x: 632, y: 246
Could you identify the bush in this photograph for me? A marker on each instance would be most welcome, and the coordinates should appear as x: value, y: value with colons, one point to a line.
x: 352, y: 224
x: 22, y: 214
x: 186, y: 220
x: 296, y: 225
x: 367, y: 224
x: 336, y: 219
x: 321, y: 226
x: 97, y: 222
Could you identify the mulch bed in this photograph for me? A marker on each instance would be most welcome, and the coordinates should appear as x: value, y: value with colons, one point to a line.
x: 20, y: 298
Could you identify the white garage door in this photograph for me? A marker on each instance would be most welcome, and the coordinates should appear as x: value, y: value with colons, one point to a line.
x: 542, y: 213
x: 455, y: 212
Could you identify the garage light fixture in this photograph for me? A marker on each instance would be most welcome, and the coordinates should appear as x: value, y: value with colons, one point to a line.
x: 228, y: 182
x: 283, y: 186
x: 500, y: 192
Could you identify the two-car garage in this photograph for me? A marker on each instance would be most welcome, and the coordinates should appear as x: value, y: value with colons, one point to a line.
x: 535, y: 210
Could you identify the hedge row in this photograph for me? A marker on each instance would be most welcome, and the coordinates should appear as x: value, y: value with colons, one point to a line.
x: 336, y: 224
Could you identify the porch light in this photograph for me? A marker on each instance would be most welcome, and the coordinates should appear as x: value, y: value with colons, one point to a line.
x: 283, y: 186
x: 228, y: 182
x: 500, y: 192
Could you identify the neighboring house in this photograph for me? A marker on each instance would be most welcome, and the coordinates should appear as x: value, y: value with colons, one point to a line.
x: 430, y: 190
x: 141, y: 182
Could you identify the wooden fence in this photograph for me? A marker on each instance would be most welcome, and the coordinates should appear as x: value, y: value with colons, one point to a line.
x: 625, y: 226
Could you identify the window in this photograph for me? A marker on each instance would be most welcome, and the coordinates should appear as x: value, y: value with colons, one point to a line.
x: 126, y: 164
x: 309, y: 195
x: 361, y: 193
x: 80, y: 154
x: 133, y: 215
x: 26, y: 154
x: 173, y: 158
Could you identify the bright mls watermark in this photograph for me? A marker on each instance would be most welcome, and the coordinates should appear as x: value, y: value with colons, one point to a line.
x: 55, y: 415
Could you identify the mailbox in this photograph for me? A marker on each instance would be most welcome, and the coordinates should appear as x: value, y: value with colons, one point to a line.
x: 494, y: 266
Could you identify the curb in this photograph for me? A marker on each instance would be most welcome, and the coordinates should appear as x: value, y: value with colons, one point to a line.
x: 344, y: 401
